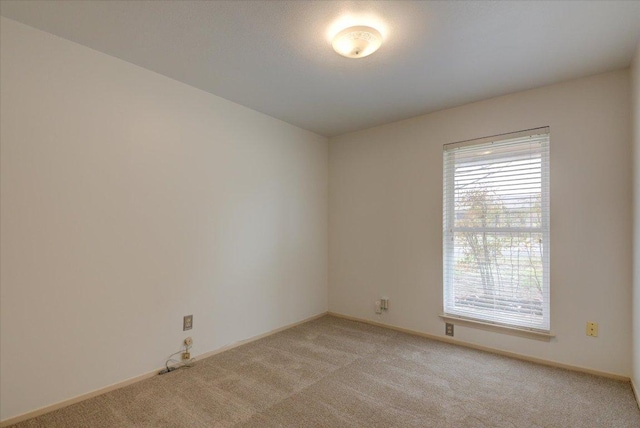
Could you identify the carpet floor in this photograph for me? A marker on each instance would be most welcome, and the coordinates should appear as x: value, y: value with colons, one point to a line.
x: 337, y: 373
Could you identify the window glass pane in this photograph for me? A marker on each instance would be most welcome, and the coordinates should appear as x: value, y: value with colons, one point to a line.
x: 500, y: 273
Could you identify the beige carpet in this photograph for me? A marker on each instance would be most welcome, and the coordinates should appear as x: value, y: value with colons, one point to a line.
x: 337, y: 373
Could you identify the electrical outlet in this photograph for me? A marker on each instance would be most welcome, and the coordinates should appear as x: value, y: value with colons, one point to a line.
x: 448, y: 329
x: 188, y: 341
x: 186, y: 355
x: 187, y: 323
x: 592, y: 329
x: 382, y: 305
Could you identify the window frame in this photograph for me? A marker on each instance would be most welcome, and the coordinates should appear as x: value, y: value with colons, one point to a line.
x: 449, y: 215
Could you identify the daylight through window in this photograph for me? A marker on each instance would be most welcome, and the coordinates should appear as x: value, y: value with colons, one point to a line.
x: 496, y: 230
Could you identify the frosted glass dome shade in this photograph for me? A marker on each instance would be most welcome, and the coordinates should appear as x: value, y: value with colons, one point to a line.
x: 357, y: 42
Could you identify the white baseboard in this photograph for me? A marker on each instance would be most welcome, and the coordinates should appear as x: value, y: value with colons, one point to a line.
x: 260, y: 336
x: 64, y: 403
x: 74, y: 400
x: 488, y: 349
x: 636, y: 392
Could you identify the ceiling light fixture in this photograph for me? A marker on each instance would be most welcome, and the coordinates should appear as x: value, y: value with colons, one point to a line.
x: 357, y: 42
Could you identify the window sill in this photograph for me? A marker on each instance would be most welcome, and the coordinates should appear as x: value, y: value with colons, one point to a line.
x: 515, y: 331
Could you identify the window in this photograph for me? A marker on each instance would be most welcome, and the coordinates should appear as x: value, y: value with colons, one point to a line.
x: 496, y: 230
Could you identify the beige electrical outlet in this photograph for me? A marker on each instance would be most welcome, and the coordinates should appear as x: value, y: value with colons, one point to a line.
x: 187, y: 322
x: 592, y: 329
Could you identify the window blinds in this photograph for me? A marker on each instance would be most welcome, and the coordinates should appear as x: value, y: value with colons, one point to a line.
x: 496, y: 230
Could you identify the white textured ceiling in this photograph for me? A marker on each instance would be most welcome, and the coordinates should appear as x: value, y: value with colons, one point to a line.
x: 276, y: 56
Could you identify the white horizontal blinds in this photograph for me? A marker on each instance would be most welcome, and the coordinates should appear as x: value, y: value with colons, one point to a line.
x: 496, y: 230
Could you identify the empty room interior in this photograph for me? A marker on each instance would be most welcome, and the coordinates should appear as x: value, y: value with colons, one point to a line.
x: 319, y: 213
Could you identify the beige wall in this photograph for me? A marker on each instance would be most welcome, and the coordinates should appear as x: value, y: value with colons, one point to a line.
x: 385, y: 217
x: 130, y: 200
x: 635, y: 118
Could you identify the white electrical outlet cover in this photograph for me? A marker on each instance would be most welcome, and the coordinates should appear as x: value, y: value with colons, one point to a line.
x: 188, y: 341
